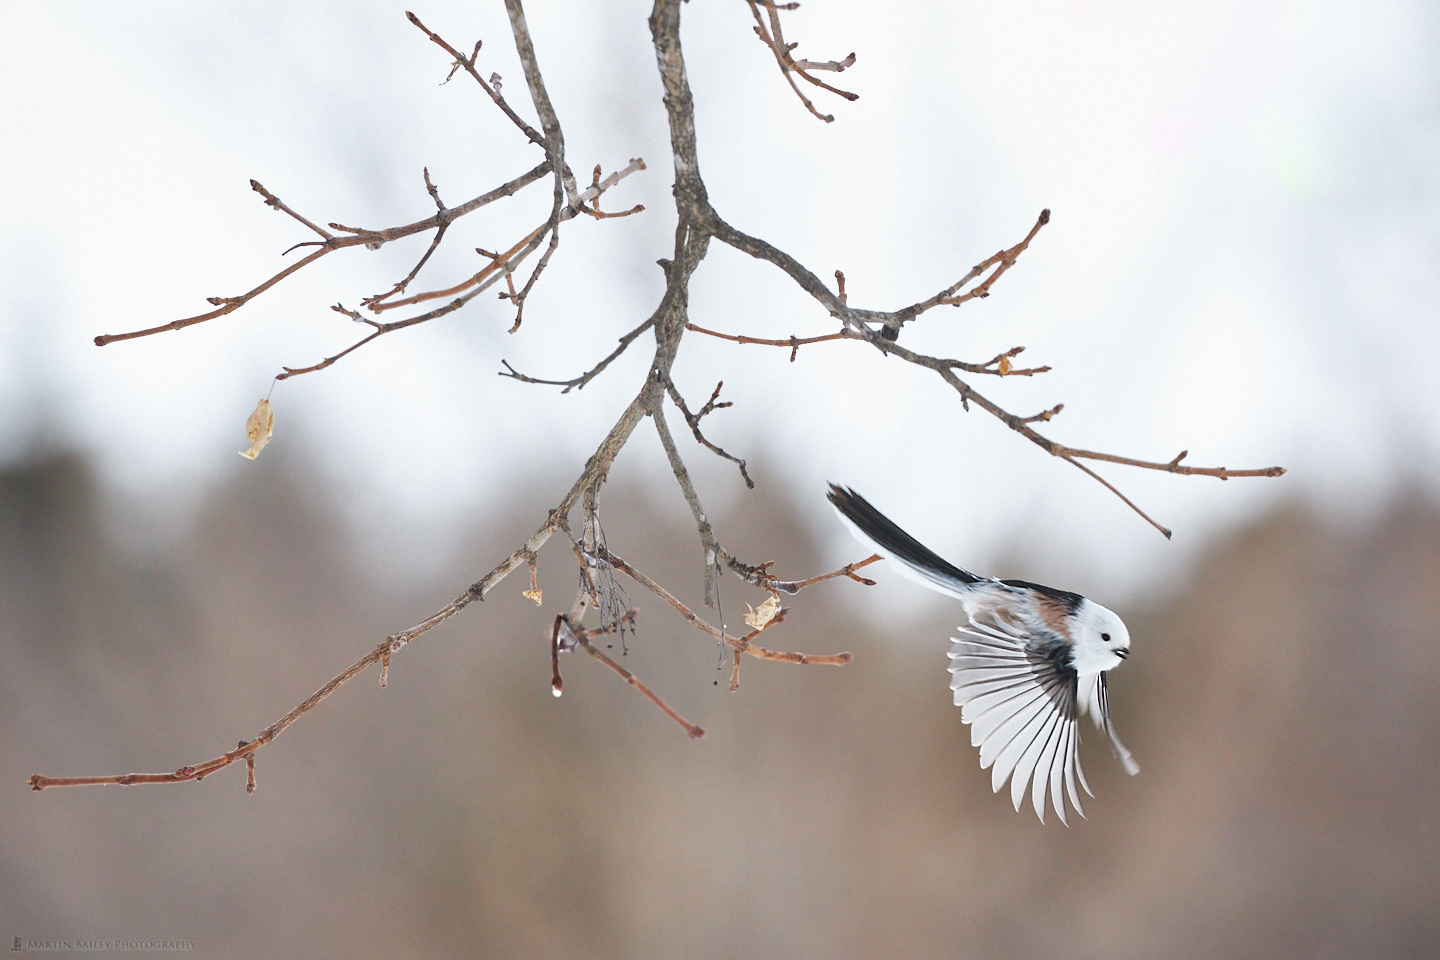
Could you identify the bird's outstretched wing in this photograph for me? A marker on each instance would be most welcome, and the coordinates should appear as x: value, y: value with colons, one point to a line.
x: 1021, y: 700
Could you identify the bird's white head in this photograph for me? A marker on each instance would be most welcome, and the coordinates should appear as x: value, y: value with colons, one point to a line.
x: 1101, y: 640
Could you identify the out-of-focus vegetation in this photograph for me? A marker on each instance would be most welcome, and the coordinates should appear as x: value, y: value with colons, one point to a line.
x: 1284, y: 706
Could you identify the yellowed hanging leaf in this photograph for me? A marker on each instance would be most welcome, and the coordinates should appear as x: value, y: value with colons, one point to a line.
x: 258, y: 429
x: 759, y: 617
x: 537, y: 595
x: 1005, y: 365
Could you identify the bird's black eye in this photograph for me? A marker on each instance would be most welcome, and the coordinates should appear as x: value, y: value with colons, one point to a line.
x: 1105, y: 637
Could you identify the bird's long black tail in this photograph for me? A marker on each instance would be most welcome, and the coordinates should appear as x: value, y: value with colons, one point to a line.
x: 875, y: 528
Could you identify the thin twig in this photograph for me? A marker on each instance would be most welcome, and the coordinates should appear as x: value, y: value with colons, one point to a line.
x: 578, y: 383
x: 384, y: 328
x: 773, y: 37
x: 499, y: 263
x: 504, y: 262
x: 399, y: 287
x: 1173, y: 466
x: 695, y: 732
x: 855, y: 328
x: 1005, y: 258
x: 795, y: 586
x: 998, y: 366
x: 468, y: 63
x: 202, y: 770
x: 693, y: 419
x: 1111, y: 487
x: 832, y: 66
x: 518, y: 299
x: 373, y: 239
x: 274, y: 201
x: 500, y: 266
x: 414, y: 271
x: 1045, y: 416
x: 566, y: 637
x: 794, y: 343
x: 739, y: 644
x: 594, y: 208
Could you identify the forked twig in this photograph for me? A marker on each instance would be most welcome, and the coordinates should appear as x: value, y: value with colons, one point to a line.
x: 582, y: 639
x: 773, y: 37
x: 795, y: 586
x: 693, y: 419
x: 739, y: 644
x: 500, y: 267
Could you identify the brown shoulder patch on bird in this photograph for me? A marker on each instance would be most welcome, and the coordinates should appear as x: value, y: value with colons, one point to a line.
x: 1055, y: 615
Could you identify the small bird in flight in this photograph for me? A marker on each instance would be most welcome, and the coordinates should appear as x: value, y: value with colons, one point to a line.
x: 1028, y: 663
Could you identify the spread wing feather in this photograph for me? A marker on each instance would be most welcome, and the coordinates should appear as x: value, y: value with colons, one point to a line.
x: 1022, y: 706
x: 1042, y: 751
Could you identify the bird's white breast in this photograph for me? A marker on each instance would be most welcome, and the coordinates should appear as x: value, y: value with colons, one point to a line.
x: 1090, y: 656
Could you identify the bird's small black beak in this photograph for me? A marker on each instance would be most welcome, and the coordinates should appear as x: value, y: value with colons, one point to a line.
x: 1122, y: 652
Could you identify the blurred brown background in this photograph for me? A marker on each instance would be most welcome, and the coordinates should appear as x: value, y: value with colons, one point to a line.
x: 1283, y: 706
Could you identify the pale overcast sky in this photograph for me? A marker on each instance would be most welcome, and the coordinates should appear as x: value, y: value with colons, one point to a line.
x: 1242, y: 260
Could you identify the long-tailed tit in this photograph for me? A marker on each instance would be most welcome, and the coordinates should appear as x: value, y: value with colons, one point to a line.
x: 1028, y: 663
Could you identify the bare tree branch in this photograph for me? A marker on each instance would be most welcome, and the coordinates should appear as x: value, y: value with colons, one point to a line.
x: 855, y: 328
x: 373, y: 239
x: 708, y: 544
x: 696, y: 222
x: 501, y: 266
x: 554, y: 137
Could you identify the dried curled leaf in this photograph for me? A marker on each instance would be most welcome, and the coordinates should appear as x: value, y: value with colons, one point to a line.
x: 258, y: 429
x: 759, y: 617
x: 1005, y: 366
x: 535, y: 594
